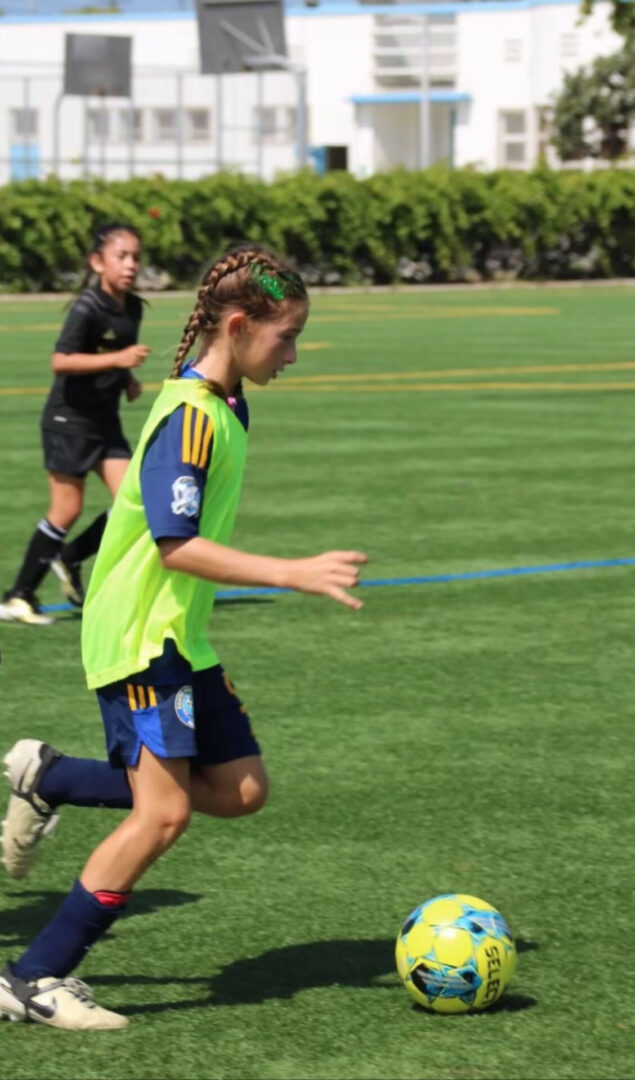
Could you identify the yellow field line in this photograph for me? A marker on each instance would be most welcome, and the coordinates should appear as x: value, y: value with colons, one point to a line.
x: 521, y: 369
x: 372, y: 314
x: 436, y: 309
x: 20, y: 391
x: 455, y: 387
x: 437, y: 313
x: 364, y: 382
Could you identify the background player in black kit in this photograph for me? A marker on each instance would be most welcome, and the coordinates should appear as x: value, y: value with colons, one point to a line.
x: 81, y: 429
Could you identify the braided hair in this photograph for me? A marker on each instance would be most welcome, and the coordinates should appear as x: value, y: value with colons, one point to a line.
x: 247, y: 277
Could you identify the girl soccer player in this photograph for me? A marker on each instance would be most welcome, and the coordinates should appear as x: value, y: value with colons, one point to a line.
x: 81, y: 430
x: 171, y: 714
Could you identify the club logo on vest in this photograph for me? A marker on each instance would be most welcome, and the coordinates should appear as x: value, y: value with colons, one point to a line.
x: 186, y: 497
x: 184, y: 706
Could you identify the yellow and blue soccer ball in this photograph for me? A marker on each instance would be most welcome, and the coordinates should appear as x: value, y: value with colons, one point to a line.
x: 455, y: 954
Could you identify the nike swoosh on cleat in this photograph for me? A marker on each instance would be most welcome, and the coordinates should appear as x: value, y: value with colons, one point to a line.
x: 46, y: 1012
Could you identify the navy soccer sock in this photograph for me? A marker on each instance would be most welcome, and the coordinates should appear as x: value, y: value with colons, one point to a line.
x: 85, y: 782
x: 81, y: 920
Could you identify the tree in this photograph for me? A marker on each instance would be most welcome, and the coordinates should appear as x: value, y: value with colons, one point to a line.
x: 595, y: 110
x: 622, y: 15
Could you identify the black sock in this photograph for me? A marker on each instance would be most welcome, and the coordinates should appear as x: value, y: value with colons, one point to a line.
x: 44, y: 546
x: 87, y: 543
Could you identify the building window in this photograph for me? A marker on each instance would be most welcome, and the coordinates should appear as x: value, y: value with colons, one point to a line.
x: 98, y: 123
x: 275, y: 123
x: 197, y: 125
x: 512, y: 50
x: 166, y: 126
x: 513, y: 139
x: 569, y: 45
x: 24, y: 123
x: 131, y: 118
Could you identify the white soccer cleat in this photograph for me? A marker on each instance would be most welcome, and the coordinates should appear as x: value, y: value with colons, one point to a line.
x: 23, y: 610
x: 28, y: 817
x: 62, y: 1003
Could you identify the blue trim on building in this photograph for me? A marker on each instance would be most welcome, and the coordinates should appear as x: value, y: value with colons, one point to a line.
x: 412, y: 97
x: 349, y: 7
x: 295, y: 8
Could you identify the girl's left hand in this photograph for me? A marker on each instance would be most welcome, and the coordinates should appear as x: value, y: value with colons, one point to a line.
x: 133, y: 388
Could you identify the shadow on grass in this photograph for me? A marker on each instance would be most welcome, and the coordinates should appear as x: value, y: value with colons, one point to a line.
x: 19, y: 925
x: 278, y: 973
x: 282, y: 973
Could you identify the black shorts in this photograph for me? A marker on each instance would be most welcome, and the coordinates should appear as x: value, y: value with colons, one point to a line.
x: 77, y: 453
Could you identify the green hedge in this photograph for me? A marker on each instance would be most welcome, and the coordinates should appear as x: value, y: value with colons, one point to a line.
x: 433, y: 226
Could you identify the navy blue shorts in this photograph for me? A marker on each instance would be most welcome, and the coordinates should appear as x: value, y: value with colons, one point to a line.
x: 198, y: 716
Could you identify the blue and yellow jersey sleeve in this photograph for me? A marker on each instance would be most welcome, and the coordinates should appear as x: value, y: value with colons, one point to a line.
x: 174, y: 471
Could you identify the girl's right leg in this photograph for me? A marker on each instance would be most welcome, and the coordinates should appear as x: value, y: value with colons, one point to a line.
x: 19, y: 603
x: 41, y: 780
x: 68, y: 566
x: 160, y: 813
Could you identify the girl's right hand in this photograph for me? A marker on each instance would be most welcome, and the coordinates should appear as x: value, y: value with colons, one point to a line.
x: 329, y: 574
x: 133, y: 356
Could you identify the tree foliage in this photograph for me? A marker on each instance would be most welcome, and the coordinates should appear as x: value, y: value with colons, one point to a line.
x: 435, y: 226
x: 622, y: 15
x: 595, y: 110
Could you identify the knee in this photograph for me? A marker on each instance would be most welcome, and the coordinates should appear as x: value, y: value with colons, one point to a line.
x: 252, y: 795
x: 165, y: 827
x: 64, y: 514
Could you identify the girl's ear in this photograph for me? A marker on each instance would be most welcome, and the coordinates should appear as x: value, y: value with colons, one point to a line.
x: 95, y: 262
x: 236, y: 323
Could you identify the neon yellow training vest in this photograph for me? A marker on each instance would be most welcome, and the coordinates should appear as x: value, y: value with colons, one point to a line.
x: 133, y: 603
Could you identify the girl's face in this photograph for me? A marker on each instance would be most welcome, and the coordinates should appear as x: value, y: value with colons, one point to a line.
x: 264, y: 348
x: 117, y: 263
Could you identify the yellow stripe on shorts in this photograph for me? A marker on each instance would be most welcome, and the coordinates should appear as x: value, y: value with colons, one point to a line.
x: 132, y: 701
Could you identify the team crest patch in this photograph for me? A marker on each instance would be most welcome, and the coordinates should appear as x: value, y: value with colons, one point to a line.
x: 184, y: 706
x: 186, y: 497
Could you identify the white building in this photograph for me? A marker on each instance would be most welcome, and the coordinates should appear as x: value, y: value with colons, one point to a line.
x: 465, y: 82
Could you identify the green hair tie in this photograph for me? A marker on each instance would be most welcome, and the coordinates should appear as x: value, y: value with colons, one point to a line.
x: 269, y: 283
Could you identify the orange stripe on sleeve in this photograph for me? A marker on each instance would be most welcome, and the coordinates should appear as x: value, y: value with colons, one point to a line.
x: 142, y: 697
x: 207, y: 438
x: 131, y: 698
x: 196, y: 441
x: 152, y: 697
x: 187, y: 428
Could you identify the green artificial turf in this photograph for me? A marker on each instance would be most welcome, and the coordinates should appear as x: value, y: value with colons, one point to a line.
x: 462, y: 736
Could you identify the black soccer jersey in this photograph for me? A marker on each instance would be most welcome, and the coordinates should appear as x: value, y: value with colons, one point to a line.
x: 95, y: 324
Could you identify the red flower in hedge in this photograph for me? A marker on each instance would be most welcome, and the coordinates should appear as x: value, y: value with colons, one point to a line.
x: 154, y: 212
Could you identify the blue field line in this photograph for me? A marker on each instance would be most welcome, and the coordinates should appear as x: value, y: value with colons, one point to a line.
x: 428, y: 579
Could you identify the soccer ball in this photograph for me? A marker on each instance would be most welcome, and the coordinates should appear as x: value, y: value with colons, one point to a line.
x: 455, y: 954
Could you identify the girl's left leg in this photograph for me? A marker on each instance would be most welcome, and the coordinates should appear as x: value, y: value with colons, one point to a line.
x: 160, y: 813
